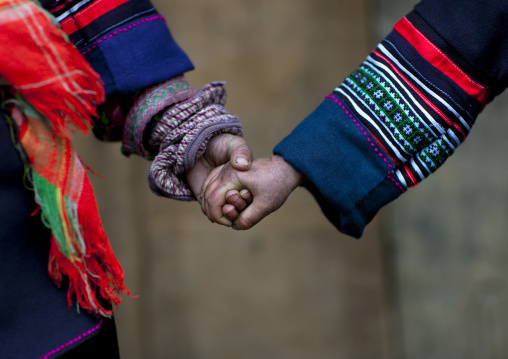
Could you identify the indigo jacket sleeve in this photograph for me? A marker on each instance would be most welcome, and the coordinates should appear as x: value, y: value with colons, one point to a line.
x: 126, y: 41
x: 149, y: 106
x: 404, y: 111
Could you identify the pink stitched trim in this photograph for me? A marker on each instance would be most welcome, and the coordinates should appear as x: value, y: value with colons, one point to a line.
x: 372, y: 143
x: 121, y: 30
x: 73, y: 341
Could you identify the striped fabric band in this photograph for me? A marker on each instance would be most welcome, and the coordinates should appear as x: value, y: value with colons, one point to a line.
x: 415, y: 102
x: 83, y: 13
x: 86, y: 21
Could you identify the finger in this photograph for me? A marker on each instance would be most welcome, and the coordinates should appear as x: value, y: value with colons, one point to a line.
x: 240, y: 154
x: 212, y: 205
x: 246, y: 195
x: 234, y: 198
x: 230, y: 212
x: 215, y: 195
x: 209, y: 185
x: 251, y: 216
x: 224, y: 221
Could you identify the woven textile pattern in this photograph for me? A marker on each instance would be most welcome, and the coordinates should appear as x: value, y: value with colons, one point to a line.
x: 152, y: 100
x: 53, y: 91
x: 182, y: 135
x: 418, y: 122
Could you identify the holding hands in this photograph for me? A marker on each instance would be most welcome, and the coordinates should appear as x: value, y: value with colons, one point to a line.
x: 222, y: 149
x: 242, y: 198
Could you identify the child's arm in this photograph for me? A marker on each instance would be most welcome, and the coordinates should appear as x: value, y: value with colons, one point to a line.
x: 269, y: 180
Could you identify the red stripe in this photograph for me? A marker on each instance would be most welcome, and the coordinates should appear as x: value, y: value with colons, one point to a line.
x: 58, y: 8
x: 426, y: 100
x: 395, y: 160
x: 69, y: 26
x: 439, y: 60
x: 414, y: 182
x: 90, y: 13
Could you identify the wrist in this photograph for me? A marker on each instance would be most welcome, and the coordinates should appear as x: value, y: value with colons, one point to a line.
x: 293, y: 177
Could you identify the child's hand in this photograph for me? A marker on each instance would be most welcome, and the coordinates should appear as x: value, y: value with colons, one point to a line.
x: 270, y: 181
x: 237, y: 201
x: 221, y: 149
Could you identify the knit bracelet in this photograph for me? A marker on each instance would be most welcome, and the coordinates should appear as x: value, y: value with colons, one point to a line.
x: 150, y: 102
x: 181, y: 137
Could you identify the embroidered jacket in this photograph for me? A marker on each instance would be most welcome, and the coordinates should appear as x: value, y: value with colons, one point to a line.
x: 404, y: 111
x: 129, y: 45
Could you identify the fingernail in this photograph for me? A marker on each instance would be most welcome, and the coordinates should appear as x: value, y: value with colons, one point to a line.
x: 242, y: 161
x: 243, y: 192
x: 233, y: 195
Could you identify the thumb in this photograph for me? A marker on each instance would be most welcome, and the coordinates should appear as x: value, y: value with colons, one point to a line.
x: 240, y: 154
x: 252, y: 215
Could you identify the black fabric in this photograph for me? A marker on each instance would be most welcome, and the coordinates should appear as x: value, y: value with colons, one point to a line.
x: 34, y: 316
x: 104, y: 345
x: 475, y: 32
x: 127, y: 12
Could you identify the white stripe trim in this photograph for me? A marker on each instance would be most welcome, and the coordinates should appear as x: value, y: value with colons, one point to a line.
x: 72, y: 10
x: 407, y: 103
x: 417, y: 169
x: 368, y: 118
x: 427, y: 115
x: 401, y: 178
x: 452, y: 135
x: 391, y: 57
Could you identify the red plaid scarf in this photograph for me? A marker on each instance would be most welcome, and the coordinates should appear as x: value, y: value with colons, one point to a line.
x: 55, y: 92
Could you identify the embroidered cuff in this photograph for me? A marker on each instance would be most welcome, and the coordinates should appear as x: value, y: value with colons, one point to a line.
x: 388, y: 126
x: 344, y: 166
x: 152, y: 100
x: 414, y: 100
x: 181, y: 137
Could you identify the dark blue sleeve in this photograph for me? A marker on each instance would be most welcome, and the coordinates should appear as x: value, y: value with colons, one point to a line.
x: 473, y: 33
x: 348, y: 173
x: 398, y: 117
x: 129, y: 45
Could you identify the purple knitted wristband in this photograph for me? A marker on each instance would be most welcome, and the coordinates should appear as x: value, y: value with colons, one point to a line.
x: 152, y: 100
x: 181, y: 137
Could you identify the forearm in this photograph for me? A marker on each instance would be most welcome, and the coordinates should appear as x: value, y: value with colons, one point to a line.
x: 150, y: 106
x: 393, y: 121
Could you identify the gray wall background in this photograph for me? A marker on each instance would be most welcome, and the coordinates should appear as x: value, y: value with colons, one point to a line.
x: 426, y: 281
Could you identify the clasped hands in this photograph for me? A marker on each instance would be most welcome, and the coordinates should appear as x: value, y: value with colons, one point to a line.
x: 236, y: 191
